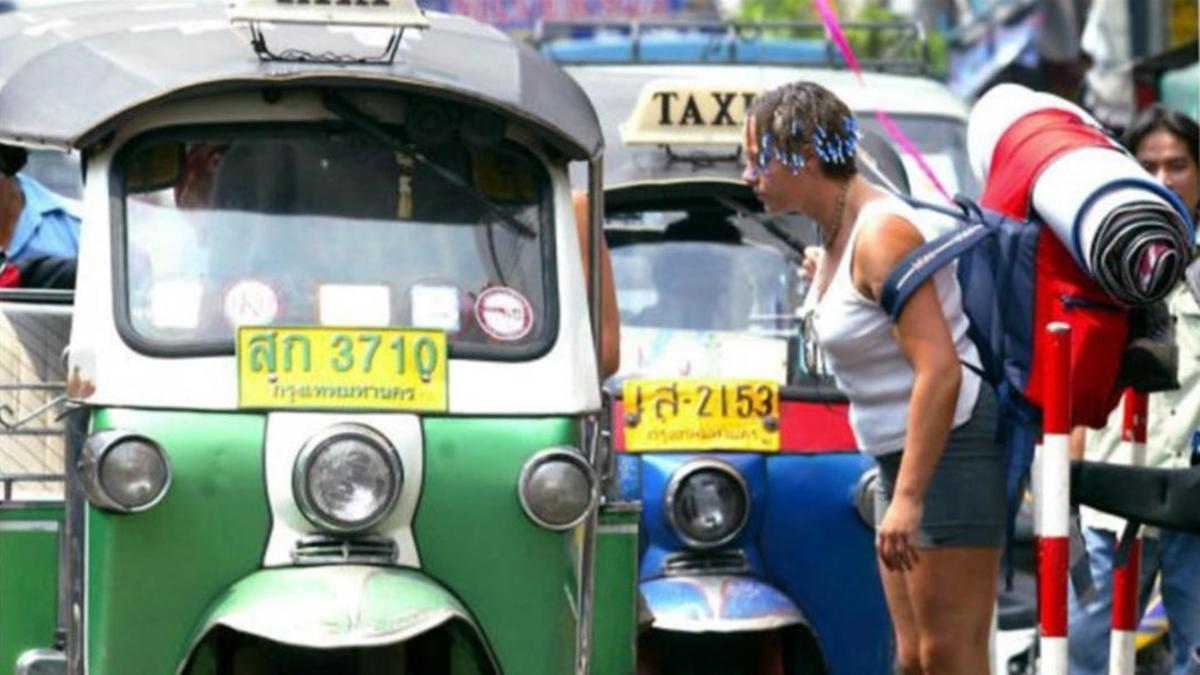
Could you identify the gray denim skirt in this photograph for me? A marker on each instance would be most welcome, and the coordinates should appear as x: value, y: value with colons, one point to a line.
x: 964, y: 504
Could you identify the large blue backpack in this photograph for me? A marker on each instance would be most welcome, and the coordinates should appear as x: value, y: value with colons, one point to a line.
x: 996, y: 269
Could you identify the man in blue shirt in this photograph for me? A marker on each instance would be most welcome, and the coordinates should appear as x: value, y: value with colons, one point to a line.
x: 34, y: 222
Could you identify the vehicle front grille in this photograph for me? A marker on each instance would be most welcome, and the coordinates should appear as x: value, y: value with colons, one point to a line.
x: 322, y: 550
x: 731, y: 561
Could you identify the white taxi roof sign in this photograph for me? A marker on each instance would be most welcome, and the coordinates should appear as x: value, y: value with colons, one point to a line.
x: 383, y: 13
x: 689, y: 112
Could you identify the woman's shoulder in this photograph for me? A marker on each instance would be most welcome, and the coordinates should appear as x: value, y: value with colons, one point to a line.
x: 886, y: 218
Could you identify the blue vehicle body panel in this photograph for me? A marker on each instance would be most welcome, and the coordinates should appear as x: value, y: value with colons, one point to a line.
x: 805, y: 544
x: 819, y: 551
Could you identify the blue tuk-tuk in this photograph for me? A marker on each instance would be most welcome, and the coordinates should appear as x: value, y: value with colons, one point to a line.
x: 757, y: 546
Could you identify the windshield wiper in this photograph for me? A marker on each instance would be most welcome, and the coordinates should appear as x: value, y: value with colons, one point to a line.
x: 368, y: 125
x: 767, y: 222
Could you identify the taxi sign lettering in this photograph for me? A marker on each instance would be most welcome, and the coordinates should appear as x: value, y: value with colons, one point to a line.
x: 691, y: 111
x: 681, y: 112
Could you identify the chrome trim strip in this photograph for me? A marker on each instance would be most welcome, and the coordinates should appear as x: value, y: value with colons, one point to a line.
x: 590, y: 440
x: 41, y: 662
x: 28, y: 526
x: 73, y: 579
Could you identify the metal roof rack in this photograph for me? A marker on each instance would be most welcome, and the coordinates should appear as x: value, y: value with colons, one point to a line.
x: 883, y: 46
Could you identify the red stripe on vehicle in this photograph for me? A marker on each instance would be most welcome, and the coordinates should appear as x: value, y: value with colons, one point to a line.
x: 618, y: 425
x: 812, y: 427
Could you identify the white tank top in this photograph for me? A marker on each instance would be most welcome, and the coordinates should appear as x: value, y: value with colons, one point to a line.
x: 856, y: 336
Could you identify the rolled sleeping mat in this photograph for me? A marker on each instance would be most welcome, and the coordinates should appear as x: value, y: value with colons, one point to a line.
x: 1127, y: 231
x: 999, y: 109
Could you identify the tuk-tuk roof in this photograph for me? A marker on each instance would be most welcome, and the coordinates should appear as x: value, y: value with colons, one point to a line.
x: 616, y: 90
x: 71, y: 73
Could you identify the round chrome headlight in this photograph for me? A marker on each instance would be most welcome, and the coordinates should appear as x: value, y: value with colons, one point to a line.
x: 708, y: 503
x: 347, y: 478
x: 123, y: 472
x: 557, y: 488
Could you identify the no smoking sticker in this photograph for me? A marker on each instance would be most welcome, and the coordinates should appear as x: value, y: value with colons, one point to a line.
x: 504, y: 314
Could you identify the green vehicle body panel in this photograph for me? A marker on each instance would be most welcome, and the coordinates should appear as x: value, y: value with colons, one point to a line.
x: 28, y: 579
x: 519, y: 580
x: 614, y: 631
x: 151, y: 575
x: 155, y: 576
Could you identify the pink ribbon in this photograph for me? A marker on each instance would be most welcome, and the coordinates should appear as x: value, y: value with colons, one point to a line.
x: 834, y: 27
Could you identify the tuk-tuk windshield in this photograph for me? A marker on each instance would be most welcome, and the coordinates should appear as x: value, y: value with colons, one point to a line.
x: 701, y: 272
x: 308, y: 226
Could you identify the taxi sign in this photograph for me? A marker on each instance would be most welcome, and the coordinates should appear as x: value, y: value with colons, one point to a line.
x: 341, y: 368
x: 686, y: 112
x: 386, y: 13
x: 701, y: 414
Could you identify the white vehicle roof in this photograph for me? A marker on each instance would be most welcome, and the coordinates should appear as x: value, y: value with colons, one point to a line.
x: 895, y: 94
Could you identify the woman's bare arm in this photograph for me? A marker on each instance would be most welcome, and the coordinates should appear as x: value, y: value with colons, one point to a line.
x: 610, y: 322
x: 924, y: 338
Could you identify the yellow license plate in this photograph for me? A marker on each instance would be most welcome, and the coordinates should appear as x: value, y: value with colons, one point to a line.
x: 701, y: 415
x: 342, y: 368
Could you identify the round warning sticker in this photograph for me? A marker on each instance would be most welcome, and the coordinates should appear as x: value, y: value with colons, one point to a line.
x: 251, y: 303
x: 504, y: 314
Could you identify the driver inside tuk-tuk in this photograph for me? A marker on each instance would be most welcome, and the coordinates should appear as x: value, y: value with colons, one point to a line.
x: 696, y: 291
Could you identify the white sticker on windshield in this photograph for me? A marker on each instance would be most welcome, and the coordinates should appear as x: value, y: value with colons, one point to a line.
x: 251, y: 303
x: 358, y: 306
x: 436, y: 307
x: 175, y: 304
x: 504, y: 314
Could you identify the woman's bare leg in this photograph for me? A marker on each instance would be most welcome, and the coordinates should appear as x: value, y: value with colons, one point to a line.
x: 904, y: 622
x: 952, y: 592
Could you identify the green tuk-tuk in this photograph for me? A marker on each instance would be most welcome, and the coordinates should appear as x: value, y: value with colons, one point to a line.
x: 328, y: 379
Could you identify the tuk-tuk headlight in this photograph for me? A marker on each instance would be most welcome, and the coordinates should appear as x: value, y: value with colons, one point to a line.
x: 347, y: 478
x: 708, y: 503
x: 123, y: 472
x: 864, y: 496
x: 557, y: 488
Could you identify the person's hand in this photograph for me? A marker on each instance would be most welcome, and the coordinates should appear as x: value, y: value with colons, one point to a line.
x: 896, y: 538
x: 812, y: 260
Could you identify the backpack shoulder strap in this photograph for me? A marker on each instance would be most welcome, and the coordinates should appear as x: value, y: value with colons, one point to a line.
x: 924, y: 261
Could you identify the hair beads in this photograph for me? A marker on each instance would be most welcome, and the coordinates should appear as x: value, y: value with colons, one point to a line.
x: 830, y: 148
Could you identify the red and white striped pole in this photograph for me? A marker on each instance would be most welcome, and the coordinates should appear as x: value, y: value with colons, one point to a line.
x: 1123, y: 650
x: 1053, y: 504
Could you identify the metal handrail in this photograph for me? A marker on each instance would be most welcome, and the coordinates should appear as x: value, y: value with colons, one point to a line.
x: 7, y: 481
x: 911, y: 33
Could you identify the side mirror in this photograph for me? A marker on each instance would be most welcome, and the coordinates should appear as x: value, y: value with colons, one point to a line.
x: 153, y: 168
